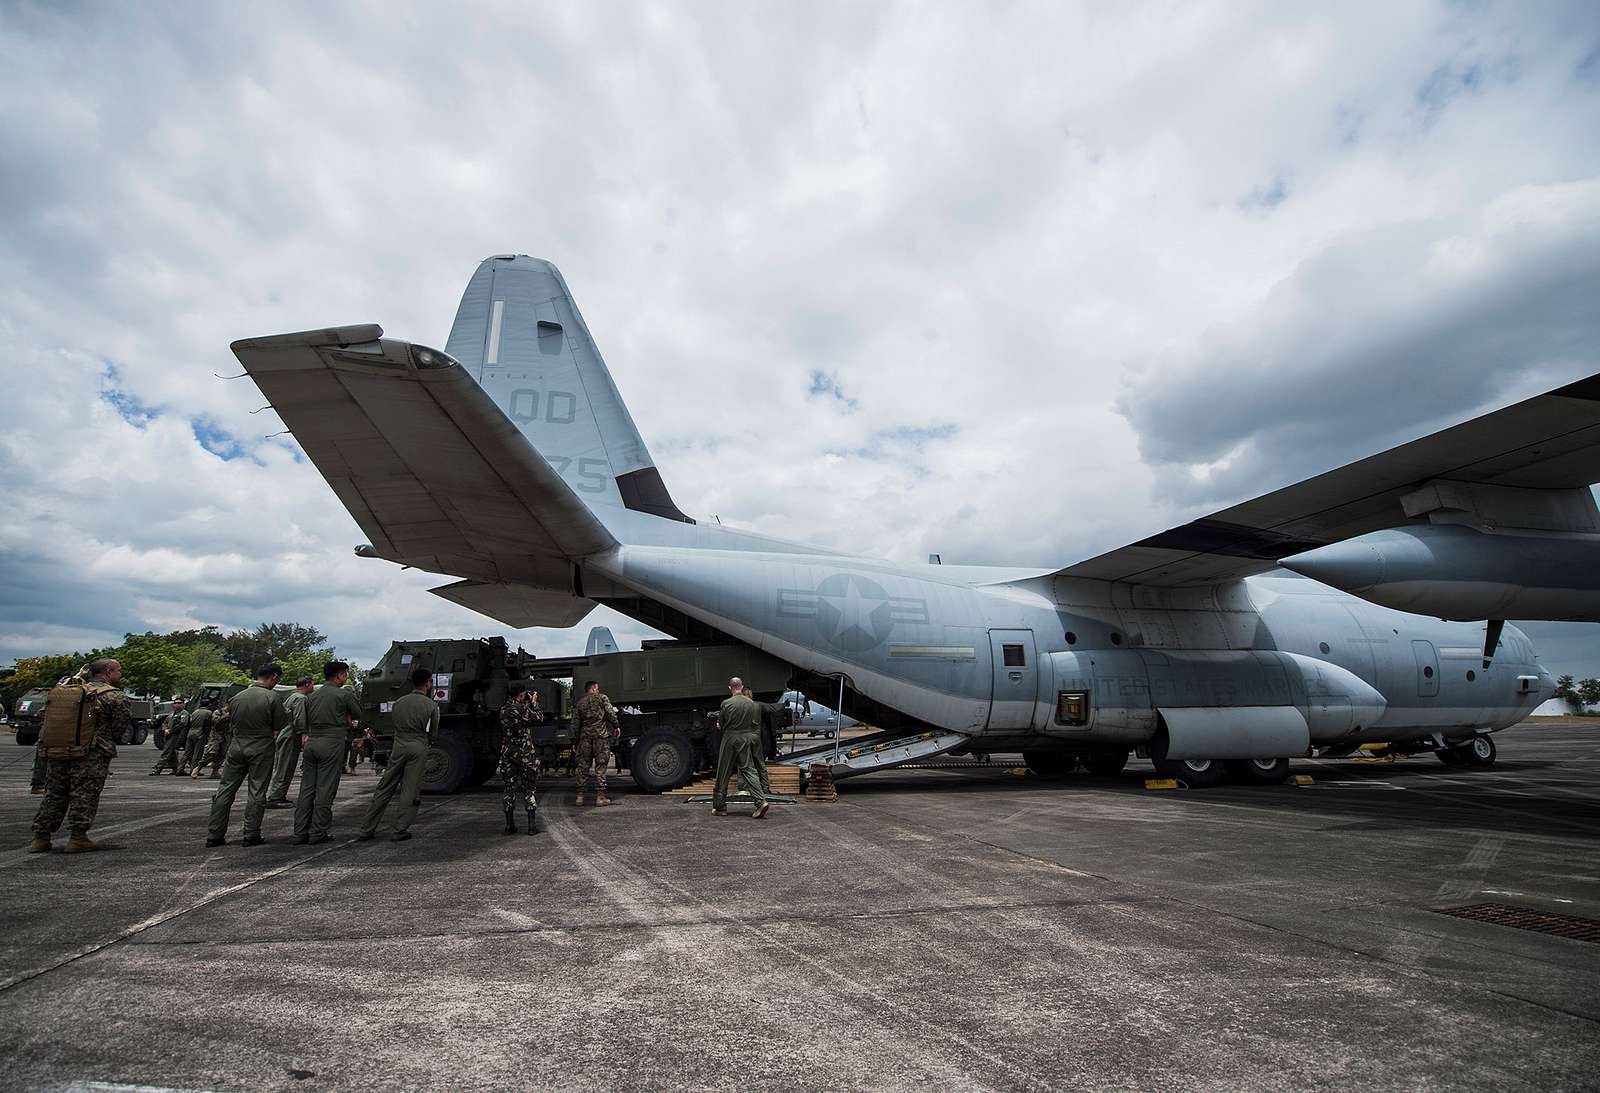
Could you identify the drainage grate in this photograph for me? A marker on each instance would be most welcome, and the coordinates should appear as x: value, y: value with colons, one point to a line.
x: 1525, y: 918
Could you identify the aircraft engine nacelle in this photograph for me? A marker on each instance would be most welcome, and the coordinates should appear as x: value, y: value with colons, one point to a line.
x: 1456, y: 572
x: 1222, y: 704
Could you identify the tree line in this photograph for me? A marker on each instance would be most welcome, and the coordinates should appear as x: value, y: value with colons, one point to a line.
x: 165, y: 665
x: 1578, y: 693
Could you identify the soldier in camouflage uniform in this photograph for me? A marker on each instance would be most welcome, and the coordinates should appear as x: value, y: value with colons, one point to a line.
x: 72, y: 786
x: 217, y: 745
x: 177, y: 736
x: 199, y: 732
x: 597, y: 727
x: 519, y: 760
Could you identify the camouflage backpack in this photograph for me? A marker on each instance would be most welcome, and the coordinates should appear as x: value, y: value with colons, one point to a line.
x: 70, y: 720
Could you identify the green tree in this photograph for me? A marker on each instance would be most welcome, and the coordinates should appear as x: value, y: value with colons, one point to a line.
x: 204, y: 663
x: 150, y: 665
x: 275, y: 641
x: 1589, y: 691
x: 1567, y: 690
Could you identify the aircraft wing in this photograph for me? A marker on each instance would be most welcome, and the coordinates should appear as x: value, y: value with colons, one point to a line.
x: 1549, y: 442
x: 517, y: 605
x: 431, y: 469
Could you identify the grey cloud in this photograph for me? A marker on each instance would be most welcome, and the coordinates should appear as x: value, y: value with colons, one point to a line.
x: 1378, y: 338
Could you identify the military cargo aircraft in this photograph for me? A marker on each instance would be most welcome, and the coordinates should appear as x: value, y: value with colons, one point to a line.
x: 1306, y: 621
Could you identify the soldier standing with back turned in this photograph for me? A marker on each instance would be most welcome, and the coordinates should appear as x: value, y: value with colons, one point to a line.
x: 256, y: 714
x: 73, y: 782
x: 416, y: 718
x: 287, y: 754
x: 330, y: 713
x: 597, y: 727
x: 519, y: 759
x: 199, y: 733
x: 741, y: 741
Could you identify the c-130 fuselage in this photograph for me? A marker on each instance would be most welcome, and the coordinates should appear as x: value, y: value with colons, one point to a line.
x: 1027, y: 662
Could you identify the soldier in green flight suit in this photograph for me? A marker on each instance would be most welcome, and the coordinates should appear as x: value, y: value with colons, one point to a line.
x: 256, y: 715
x: 177, y: 737
x: 199, y: 731
x: 740, y: 751
x: 416, y: 719
x: 329, y: 713
x: 288, y: 749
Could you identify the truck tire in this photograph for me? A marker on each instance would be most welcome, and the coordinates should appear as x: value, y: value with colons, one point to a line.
x: 1103, y: 764
x: 1050, y: 764
x: 447, y: 765
x: 662, y: 759
x: 29, y: 738
x: 161, y: 738
x: 141, y: 733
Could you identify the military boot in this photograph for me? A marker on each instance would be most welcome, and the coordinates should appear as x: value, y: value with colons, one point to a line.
x: 533, y: 821
x: 511, y: 820
x: 39, y: 845
x: 582, y: 799
x: 81, y: 844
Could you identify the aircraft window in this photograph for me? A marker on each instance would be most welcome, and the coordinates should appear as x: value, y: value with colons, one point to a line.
x: 1323, y: 646
x: 1072, y: 707
x: 1427, y: 673
x: 1013, y: 656
x: 1471, y: 675
x: 1116, y: 639
x: 1072, y: 639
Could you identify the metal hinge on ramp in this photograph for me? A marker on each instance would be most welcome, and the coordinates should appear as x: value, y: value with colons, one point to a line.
x: 880, y: 752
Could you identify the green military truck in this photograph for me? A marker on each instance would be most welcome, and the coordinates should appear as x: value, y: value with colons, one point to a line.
x: 662, y: 692
x: 29, y: 712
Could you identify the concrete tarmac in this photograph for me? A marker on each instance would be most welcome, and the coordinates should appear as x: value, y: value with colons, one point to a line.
x: 933, y: 929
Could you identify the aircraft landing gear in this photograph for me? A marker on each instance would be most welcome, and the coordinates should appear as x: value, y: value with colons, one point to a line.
x: 1265, y: 772
x: 1103, y: 764
x: 1479, y: 752
x: 1195, y: 773
x: 1050, y: 764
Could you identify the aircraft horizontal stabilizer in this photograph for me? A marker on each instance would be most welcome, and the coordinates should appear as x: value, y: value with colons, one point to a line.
x: 1528, y: 465
x: 518, y: 605
x: 431, y: 469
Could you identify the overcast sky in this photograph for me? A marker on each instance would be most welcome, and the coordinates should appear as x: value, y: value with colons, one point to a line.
x: 1013, y: 283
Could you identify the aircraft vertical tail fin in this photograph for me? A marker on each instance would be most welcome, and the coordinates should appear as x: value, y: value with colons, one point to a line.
x: 519, y: 333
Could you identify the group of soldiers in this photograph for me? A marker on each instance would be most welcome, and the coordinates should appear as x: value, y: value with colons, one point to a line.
x: 257, y: 738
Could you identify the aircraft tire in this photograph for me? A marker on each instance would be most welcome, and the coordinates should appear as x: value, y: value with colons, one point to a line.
x: 1103, y: 764
x: 1194, y: 773
x: 1050, y: 764
x: 662, y: 759
x: 447, y: 764
x: 1261, y: 772
x: 1479, y: 752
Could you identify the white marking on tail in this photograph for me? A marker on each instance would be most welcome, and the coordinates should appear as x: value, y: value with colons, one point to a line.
x: 493, y: 356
